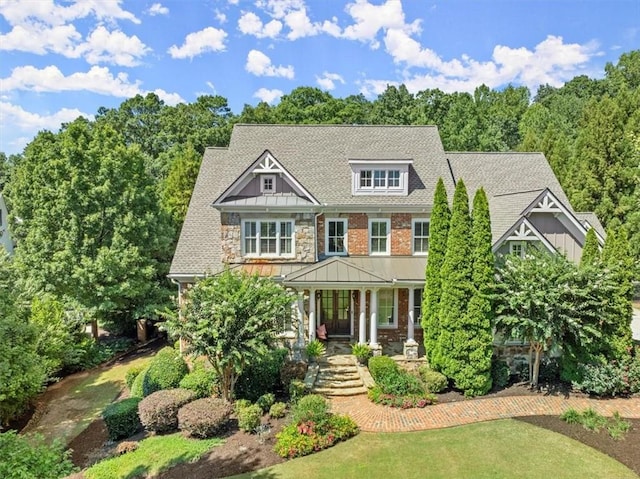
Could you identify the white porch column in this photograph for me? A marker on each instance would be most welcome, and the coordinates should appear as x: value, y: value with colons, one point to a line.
x: 362, y: 329
x: 312, y: 314
x: 411, y: 320
x: 373, y: 308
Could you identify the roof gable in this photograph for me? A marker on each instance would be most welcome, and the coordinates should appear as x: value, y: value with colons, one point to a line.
x: 334, y: 270
x: 547, y: 202
x: 523, y: 230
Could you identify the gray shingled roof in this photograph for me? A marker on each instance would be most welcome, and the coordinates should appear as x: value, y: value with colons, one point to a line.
x: 317, y: 156
x: 593, y: 220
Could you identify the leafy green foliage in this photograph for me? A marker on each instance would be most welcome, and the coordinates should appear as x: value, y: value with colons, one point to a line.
x: 381, y: 366
x: 500, y: 373
x: 249, y: 417
x: 202, y: 380
x: 232, y: 319
x: 438, y: 234
x: 166, y: 370
x: 29, y: 456
x: 137, y: 387
x: 266, y: 401
x: 131, y: 375
x: 614, y: 378
x: 312, y: 408
x: 591, y: 250
x: 159, y: 411
x: 433, y: 381
x: 407, y: 401
x: 121, y: 418
x: 315, y: 349
x: 178, y: 186
x: 618, y: 427
x: 297, y: 390
x: 277, y: 410
x: 204, y: 418
x: 262, y: 376
x: 292, y: 370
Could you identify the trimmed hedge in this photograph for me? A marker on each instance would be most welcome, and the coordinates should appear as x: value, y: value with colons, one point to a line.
x: 261, y: 376
x: 380, y: 366
x: 204, y: 418
x: 131, y: 375
x: 166, y: 370
x: 249, y: 417
x: 200, y: 380
x: 122, y: 418
x: 277, y: 410
x: 159, y: 411
x: 312, y: 408
x: 433, y: 380
x: 137, y: 387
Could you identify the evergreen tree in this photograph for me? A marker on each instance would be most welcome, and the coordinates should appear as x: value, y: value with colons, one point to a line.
x: 438, y: 232
x: 591, y: 250
x: 473, y: 341
x: 457, y: 285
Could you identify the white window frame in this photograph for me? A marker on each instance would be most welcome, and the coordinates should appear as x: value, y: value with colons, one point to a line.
x: 380, y: 177
x: 417, y: 296
x: 345, y: 223
x: 278, y: 253
x: 388, y: 249
x: 394, y: 309
x: 521, y: 244
x: 263, y: 180
x: 413, y: 236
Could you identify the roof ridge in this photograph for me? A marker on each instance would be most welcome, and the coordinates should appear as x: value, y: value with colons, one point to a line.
x: 519, y: 192
x: 326, y: 125
x: 493, y: 153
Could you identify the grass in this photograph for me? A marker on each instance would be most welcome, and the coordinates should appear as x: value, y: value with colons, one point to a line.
x: 154, y: 455
x: 497, y: 449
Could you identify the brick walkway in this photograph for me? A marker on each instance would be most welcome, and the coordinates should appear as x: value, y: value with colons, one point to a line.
x: 374, y: 418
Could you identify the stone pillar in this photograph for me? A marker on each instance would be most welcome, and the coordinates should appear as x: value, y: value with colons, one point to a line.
x: 411, y: 346
x: 312, y: 314
x: 297, y: 308
x: 362, y: 330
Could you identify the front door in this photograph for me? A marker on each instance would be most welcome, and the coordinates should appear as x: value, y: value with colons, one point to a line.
x: 335, y: 311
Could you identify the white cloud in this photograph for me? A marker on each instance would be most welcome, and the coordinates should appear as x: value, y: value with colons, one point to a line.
x: 208, y: 40
x: 371, y: 88
x: 171, y: 99
x: 370, y: 19
x: 97, y: 80
x: 19, y: 12
x: 268, y: 96
x: 328, y: 80
x: 40, y: 39
x: 27, y: 121
x: 221, y: 17
x: 250, y: 24
x: 103, y: 46
x: 158, y: 9
x: 260, y: 65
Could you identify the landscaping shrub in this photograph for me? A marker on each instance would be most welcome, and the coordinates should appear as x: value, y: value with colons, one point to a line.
x: 300, y: 439
x: 241, y: 404
x: 131, y: 375
x: 380, y: 366
x: 159, y: 411
x: 292, y: 370
x: 311, y: 408
x: 262, y: 376
x: 121, y: 418
x: 601, y: 380
x: 378, y: 396
x: 618, y: 427
x: 30, y: 457
x: 549, y: 370
x: 500, y: 373
x: 137, y: 387
x: 249, y: 417
x: 166, y: 370
x: 592, y: 420
x: 571, y: 416
x: 400, y: 383
x: 200, y: 380
x: 433, y: 381
x: 204, y: 418
x: 297, y: 390
x: 277, y: 410
x: 266, y: 401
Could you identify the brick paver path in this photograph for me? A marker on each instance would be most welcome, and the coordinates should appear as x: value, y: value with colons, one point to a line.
x: 375, y: 418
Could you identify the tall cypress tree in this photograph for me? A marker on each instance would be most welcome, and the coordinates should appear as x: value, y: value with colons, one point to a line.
x: 473, y: 341
x: 457, y: 285
x: 438, y: 232
x: 591, y: 251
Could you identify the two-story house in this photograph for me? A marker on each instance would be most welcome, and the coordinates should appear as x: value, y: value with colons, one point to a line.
x: 341, y: 215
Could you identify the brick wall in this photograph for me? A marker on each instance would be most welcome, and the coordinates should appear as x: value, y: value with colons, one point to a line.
x: 401, y: 235
x: 358, y: 235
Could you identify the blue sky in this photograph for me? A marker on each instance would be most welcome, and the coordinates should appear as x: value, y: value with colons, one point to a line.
x: 63, y: 58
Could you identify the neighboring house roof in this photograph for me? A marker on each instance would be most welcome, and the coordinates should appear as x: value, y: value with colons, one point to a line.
x: 589, y: 219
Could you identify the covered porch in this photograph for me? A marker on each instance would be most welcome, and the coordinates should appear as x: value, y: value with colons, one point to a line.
x: 375, y: 301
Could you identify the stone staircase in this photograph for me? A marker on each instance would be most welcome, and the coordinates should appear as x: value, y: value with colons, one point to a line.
x: 338, y: 375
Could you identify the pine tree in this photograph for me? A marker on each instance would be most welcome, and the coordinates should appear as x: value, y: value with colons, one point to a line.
x: 438, y: 232
x: 616, y: 258
x: 457, y: 284
x: 591, y: 251
x: 473, y: 341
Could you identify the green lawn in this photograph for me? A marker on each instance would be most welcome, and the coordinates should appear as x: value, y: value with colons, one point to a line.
x: 492, y: 450
x: 154, y: 455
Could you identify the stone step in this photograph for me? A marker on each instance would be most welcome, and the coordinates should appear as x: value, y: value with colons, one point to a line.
x: 333, y: 376
x: 341, y: 392
x: 339, y: 369
x: 324, y: 383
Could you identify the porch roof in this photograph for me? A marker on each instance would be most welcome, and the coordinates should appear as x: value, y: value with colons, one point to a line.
x: 358, y: 271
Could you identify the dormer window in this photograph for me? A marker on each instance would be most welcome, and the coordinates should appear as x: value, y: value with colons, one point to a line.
x: 380, y: 177
x: 267, y: 183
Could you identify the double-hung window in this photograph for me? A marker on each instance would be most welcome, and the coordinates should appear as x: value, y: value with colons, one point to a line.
x: 417, y: 306
x: 268, y: 238
x: 336, y: 236
x: 420, y: 236
x: 387, y: 307
x: 379, y: 236
x: 517, y: 248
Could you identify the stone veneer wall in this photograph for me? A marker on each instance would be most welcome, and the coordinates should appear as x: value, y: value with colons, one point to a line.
x: 231, y: 238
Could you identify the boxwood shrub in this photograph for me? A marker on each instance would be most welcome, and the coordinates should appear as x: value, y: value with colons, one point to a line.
x: 204, y: 418
x: 166, y: 370
x: 249, y: 417
x: 262, y: 376
x: 159, y: 411
x: 131, y: 374
x: 380, y: 366
x: 433, y: 380
x: 122, y: 418
x: 137, y: 387
x: 201, y: 380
